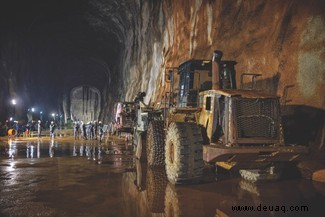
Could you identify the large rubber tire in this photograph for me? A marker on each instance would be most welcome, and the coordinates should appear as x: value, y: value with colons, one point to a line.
x: 156, y: 187
x: 155, y: 144
x: 184, y: 153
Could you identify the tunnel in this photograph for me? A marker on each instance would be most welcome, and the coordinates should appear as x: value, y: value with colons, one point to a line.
x: 124, y: 47
x: 66, y: 61
x: 50, y: 48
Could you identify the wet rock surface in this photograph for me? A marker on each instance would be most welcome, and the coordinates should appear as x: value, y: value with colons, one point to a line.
x: 67, y: 178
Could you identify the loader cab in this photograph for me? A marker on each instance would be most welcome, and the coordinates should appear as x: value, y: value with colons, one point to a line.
x: 195, y: 76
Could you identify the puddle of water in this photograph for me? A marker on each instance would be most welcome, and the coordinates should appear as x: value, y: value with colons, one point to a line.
x: 13, y: 149
x: 88, y: 179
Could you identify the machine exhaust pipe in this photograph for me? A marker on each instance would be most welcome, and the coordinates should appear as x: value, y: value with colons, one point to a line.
x: 216, y: 59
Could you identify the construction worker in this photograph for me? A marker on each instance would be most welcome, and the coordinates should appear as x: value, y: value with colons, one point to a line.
x: 27, y: 131
x: 39, y: 129
x: 82, y: 130
x: 52, y: 128
x: 89, y: 130
x: 17, y: 128
x: 95, y: 129
x: 100, y: 131
x: 76, y: 130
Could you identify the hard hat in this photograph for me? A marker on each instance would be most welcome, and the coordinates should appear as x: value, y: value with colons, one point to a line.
x: 52, y: 122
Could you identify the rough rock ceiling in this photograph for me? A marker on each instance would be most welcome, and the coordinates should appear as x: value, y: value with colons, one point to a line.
x: 49, y: 47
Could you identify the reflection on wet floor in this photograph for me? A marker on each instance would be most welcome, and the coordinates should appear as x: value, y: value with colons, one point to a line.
x: 92, y: 150
x: 90, y: 179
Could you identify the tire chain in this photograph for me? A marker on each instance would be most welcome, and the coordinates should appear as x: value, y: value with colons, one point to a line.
x: 156, y: 143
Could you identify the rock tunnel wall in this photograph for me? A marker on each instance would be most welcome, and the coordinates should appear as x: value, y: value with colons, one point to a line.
x: 283, y: 40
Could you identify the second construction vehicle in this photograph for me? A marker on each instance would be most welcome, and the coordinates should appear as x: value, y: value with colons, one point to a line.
x: 124, y: 115
x: 214, y: 122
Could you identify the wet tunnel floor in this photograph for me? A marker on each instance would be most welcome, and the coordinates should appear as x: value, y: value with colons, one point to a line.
x: 67, y: 178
